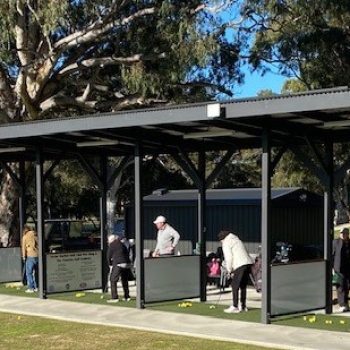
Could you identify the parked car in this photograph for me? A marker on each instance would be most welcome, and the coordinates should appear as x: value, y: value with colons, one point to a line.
x: 67, y: 235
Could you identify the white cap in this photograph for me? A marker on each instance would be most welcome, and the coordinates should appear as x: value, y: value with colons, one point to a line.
x: 111, y: 238
x: 159, y: 219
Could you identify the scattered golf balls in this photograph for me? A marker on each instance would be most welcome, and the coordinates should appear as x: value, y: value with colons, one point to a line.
x: 102, y: 296
x: 342, y: 322
x: 79, y: 295
x: 184, y: 305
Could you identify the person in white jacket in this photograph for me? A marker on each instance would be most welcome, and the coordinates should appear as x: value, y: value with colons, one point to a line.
x: 238, y: 264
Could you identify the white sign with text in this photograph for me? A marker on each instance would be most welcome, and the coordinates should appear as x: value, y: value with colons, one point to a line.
x: 74, y: 271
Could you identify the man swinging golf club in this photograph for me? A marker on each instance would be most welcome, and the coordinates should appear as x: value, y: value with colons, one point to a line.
x: 238, y: 263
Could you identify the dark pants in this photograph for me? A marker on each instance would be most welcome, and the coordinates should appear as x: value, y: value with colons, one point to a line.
x: 343, y: 291
x: 115, y: 274
x: 240, y: 282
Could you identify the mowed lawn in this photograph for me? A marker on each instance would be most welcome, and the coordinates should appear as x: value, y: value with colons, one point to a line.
x: 27, y: 332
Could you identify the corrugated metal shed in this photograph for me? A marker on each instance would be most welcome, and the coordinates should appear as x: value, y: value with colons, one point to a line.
x: 298, y: 216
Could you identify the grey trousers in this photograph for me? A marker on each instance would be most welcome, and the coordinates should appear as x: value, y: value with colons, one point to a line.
x: 343, y: 291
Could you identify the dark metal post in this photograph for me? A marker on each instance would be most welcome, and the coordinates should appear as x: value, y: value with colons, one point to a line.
x: 265, y: 228
x: 103, y: 222
x: 22, y: 196
x: 140, y: 269
x: 329, y: 225
x: 201, y: 226
x: 40, y: 223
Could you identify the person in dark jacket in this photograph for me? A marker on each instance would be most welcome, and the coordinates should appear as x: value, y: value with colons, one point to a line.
x: 118, y: 258
x: 341, y: 266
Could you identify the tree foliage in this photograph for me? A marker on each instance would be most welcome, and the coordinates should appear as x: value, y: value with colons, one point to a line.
x: 303, y: 38
x: 63, y: 57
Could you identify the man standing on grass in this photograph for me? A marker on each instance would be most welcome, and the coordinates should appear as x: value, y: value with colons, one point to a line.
x: 341, y: 266
x: 167, y: 238
x: 30, y: 257
x: 118, y: 258
x: 238, y: 264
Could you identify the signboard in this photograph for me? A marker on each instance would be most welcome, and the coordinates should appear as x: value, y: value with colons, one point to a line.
x: 11, y: 264
x: 74, y: 271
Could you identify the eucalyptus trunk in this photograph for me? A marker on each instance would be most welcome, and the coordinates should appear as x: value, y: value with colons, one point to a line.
x: 9, y: 228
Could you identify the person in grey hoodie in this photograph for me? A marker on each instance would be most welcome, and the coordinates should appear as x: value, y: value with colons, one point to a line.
x: 167, y: 238
x: 238, y: 264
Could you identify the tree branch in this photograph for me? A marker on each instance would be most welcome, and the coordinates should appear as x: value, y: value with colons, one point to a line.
x: 97, y: 29
x: 21, y: 34
x: 91, y: 33
x: 7, y: 97
x: 206, y: 85
x: 106, y: 61
x: 60, y: 101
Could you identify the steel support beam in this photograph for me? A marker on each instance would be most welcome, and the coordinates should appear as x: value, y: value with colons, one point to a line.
x: 51, y: 169
x: 103, y: 221
x: 202, y: 225
x: 22, y: 197
x: 39, y: 164
x: 305, y: 159
x: 13, y: 176
x: 278, y: 157
x: 219, y: 167
x: 186, y: 164
x: 265, y: 228
x: 120, y: 168
x: 140, y: 269
x: 90, y: 170
x: 328, y: 224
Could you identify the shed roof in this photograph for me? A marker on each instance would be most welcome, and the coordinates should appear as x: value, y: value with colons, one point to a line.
x: 236, y: 194
x: 238, y: 123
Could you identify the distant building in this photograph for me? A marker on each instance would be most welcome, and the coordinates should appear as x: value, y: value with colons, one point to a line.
x: 297, y: 216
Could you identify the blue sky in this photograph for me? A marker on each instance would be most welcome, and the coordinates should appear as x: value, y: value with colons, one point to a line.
x: 254, y: 82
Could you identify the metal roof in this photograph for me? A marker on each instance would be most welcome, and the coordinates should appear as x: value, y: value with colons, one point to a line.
x: 229, y: 194
x: 317, y: 115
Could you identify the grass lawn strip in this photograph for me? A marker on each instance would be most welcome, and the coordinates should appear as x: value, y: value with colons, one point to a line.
x: 319, y: 321
x: 36, y: 333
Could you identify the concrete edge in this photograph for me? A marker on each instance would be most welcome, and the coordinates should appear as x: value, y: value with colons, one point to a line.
x: 155, y: 330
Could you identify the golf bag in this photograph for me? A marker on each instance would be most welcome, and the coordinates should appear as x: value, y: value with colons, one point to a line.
x: 256, y: 273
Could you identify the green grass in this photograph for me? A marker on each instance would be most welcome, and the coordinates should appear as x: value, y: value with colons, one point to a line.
x: 339, y: 323
x: 203, y: 309
x: 35, y: 333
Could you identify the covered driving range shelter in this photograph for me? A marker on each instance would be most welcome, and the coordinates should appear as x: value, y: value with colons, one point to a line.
x: 316, y: 120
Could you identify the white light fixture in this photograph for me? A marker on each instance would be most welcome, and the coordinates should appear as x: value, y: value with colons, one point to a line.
x: 209, y: 133
x: 98, y: 143
x: 337, y: 124
x: 12, y: 149
x: 213, y: 110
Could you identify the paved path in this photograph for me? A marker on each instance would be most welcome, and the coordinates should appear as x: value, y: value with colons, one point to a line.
x: 280, y: 337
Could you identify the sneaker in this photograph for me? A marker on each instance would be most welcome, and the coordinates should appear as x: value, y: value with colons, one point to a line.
x: 36, y: 289
x: 243, y: 309
x: 29, y: 291
x: 232, y: 310
x: 344, y: 308
x: 112, y: 301
x: 127, y: 299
